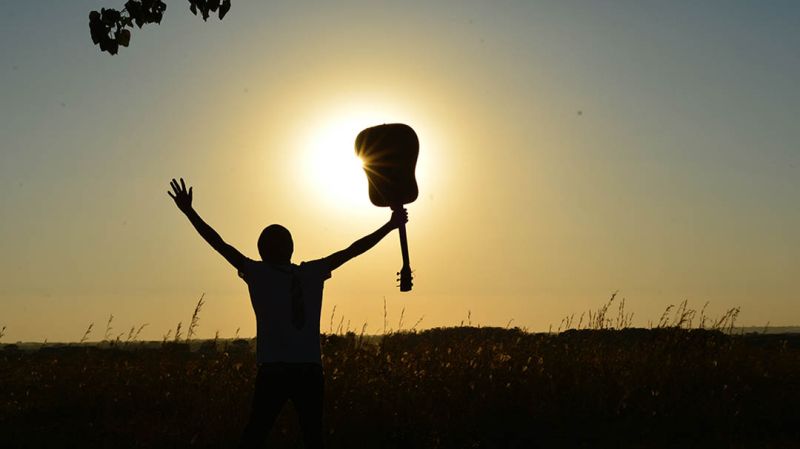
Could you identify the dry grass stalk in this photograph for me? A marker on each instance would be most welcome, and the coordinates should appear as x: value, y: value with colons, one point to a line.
x: 664, y: 320
x: 195, y: 318
x: 139, y: 331
x: 703, y: 317
x: 727, y: 321
x: 339, y: 327
x: 333, y: 313
x: 624, y: 320
x: 414, y: 327
x: 85, y: 334
x: 385, y: 316
x: 361, y: 335
x: 400, y: 323
x: 178, y: 332
x: 107, y: 334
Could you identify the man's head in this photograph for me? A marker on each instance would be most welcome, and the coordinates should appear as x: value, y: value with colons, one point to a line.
x: 275, y: 244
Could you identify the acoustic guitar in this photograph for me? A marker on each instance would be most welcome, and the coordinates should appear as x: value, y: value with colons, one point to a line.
x: 389, y: 154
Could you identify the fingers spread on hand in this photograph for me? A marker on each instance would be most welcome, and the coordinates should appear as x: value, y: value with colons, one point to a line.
x: 190, y: 192
x: 183, y: 185
x: 170, y: 194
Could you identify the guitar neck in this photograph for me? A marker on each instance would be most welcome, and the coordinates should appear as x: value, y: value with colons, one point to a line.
x: 405, y: 272
x: 404, y: 245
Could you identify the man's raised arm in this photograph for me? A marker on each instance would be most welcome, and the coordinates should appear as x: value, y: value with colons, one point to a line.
x: 183, y: 199
x: 364, y: 244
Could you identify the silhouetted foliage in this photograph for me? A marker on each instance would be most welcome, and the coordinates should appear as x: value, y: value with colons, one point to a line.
x: 442, y: 388
x: 109, y: 28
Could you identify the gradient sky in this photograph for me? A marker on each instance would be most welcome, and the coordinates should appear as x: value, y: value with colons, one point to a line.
x: 568, y: 150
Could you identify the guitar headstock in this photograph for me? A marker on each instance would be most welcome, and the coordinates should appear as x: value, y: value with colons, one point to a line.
x: 405, y: 279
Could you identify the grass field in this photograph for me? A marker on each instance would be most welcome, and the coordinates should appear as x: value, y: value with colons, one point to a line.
x: 669, y: 386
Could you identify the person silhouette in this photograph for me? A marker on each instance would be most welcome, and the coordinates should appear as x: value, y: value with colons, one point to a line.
x: 287, y: 301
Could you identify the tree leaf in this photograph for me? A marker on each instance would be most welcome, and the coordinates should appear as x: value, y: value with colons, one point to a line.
x: 96, y: 27
x: 109, y: 16
x: 224, y: 8
x: 134, y: 8
x: 109, y: 45
x: 123, y: 37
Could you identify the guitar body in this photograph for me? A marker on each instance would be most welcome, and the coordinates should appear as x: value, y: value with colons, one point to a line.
x: 389, y: 153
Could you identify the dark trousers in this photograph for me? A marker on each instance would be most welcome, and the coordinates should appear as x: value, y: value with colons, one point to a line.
x: 275, y: 384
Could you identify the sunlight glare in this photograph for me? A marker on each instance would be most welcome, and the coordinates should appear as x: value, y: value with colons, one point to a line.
x: 335, y: 173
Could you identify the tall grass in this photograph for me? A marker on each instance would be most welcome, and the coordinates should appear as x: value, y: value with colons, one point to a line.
x: 685, y: 381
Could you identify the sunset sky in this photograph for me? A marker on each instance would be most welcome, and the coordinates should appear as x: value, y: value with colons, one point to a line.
x: 568, y: 150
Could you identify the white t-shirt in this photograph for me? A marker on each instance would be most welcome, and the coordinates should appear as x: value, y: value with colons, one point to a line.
x: 277, y: 339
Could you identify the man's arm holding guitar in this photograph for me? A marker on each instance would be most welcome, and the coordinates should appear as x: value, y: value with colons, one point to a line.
x: 364, y: 244
x: 183, y: 199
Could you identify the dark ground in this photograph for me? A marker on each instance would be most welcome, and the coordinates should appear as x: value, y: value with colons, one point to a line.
x: 444, y: 388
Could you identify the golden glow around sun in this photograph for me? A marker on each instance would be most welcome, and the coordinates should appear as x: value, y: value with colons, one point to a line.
x: 332, y: 176
x: 335, y: 173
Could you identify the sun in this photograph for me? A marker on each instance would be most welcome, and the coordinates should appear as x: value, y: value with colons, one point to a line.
x: 335, y: 174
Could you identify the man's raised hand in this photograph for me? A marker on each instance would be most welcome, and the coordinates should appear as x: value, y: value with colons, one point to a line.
x: 182, y: 197
x: 399, y: 217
